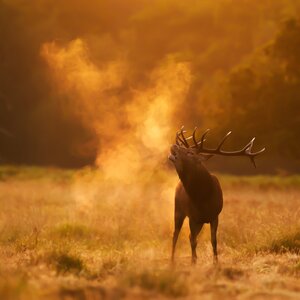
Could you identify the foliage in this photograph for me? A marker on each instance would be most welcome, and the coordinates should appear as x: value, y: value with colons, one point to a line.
x: 213, y: 37
x: 262, y: 96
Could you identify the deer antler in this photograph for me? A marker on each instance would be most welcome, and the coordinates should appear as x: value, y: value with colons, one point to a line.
x: 245, y: 151
x: 181, y: 138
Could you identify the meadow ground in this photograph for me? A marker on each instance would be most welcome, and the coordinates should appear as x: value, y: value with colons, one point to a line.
x: 78, y: 235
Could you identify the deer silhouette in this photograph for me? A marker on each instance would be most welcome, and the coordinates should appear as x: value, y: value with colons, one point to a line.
x: 199, y: 195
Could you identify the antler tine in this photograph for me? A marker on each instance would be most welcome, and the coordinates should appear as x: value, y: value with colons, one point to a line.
x: 194, y: 137
x: 247, y: 149
x: 249, y: 146
x: 178, y: 138
x: 253, y: 161
x: 183, y: 137
x: 200, y: 144
x: 258, y: 152
x: 224, y: 139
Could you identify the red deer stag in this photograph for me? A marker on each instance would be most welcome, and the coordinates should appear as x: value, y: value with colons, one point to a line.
x: 198, y: 194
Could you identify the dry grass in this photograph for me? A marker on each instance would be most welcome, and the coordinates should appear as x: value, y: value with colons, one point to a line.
x: 74, y: 235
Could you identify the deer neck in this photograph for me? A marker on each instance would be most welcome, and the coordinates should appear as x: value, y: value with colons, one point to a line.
x: 197, y: 182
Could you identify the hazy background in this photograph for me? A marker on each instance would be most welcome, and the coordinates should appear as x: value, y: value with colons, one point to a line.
x: 107, y: 83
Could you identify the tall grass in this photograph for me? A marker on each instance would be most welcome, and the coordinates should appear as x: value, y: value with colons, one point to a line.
x: 67, y: 223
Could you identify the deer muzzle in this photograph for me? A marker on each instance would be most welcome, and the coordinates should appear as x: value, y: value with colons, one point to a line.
x: 172, y: 155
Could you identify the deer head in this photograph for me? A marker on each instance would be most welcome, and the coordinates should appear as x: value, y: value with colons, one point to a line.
x: 184, y: 155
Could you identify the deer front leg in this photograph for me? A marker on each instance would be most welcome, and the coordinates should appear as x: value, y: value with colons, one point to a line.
x: 195, y: 228
x: 179, y: 218
x: 213, y: 232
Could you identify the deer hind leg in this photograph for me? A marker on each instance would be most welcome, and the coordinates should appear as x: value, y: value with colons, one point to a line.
x: 179, y: 218
x: 213, y: 232
x: 195, y: 228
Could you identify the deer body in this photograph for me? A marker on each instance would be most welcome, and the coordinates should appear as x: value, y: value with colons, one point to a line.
x: 198, y: 195
x: 201, y: 205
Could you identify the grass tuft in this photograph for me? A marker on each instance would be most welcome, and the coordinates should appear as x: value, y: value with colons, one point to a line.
x: 297, y: 268
x: 165, y: 282
x: 66, y: 262
x: 232, y: 273
x: 72, y: 231
x: 289, y: 242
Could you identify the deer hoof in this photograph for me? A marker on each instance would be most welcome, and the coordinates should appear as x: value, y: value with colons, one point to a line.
x: 194, y: 260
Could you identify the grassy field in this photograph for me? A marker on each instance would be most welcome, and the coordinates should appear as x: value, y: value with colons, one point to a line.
x: 79, y: 235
